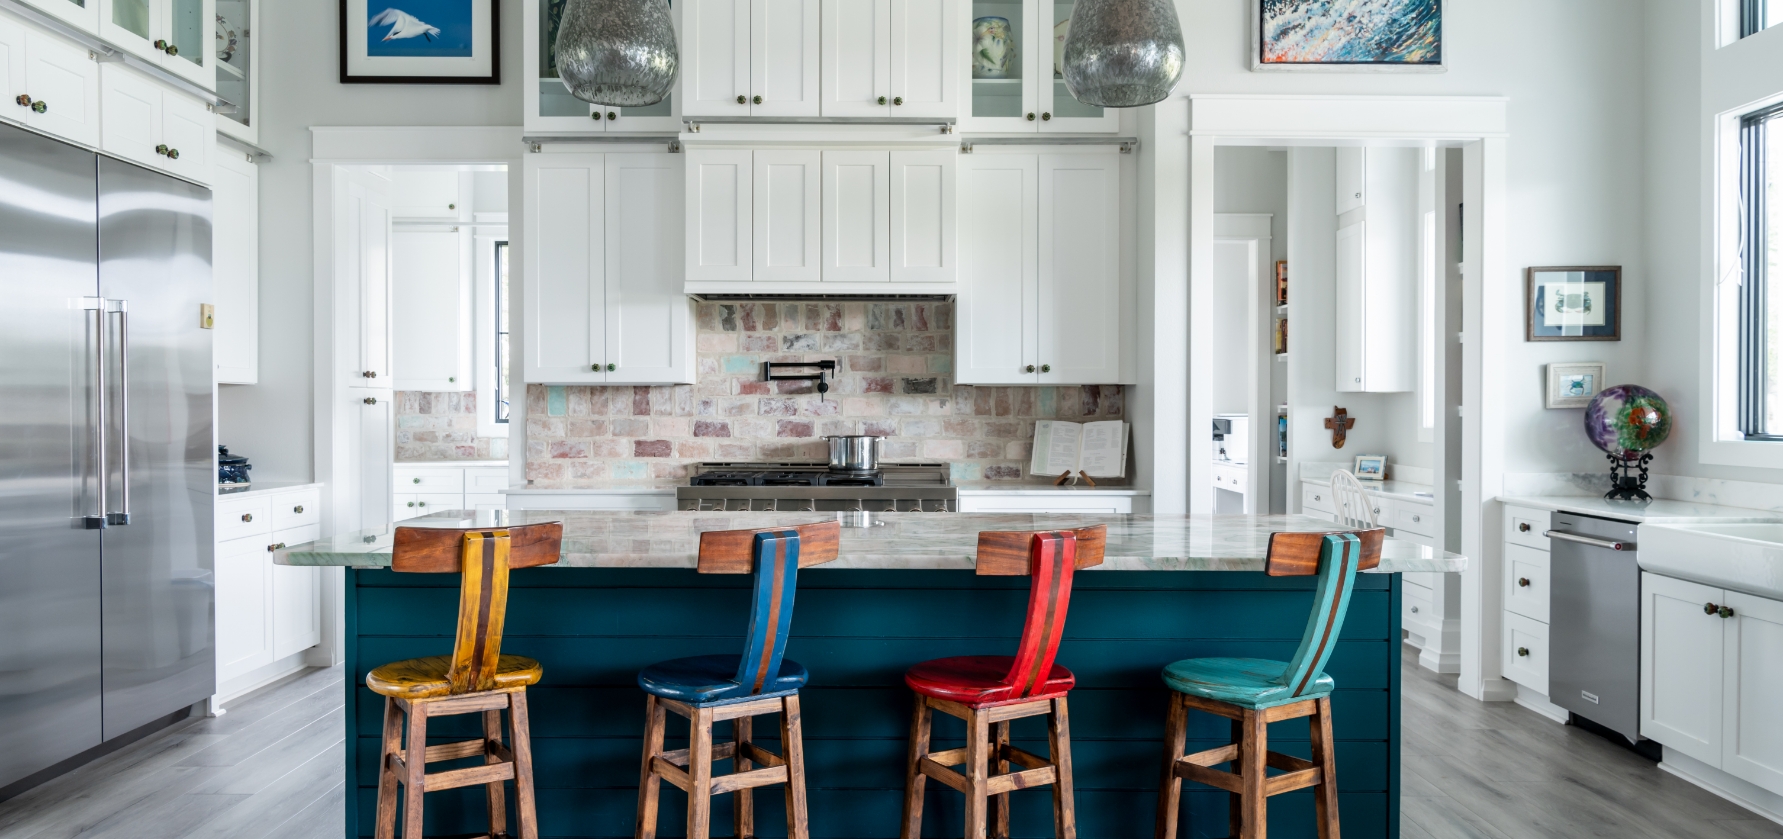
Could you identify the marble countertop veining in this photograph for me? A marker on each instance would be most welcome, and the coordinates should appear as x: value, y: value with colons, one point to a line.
x: 1659, y: 511
x: 602, y: 539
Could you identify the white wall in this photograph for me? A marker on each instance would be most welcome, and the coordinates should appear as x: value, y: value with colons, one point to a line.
x: 273, y: 422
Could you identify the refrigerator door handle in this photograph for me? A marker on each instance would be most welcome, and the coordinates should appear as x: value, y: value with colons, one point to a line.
x: 96, y: 305
x: 121, y: 308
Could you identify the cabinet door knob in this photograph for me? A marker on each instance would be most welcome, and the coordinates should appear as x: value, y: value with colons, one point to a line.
x: 24, y: 100
x: 173, y: 49
x: 1046, y: 368
x: 297, y: 509
x: 417, y: 480
x: 173, y: 154
x: 596, y: 367
x: 247, y: 516
x: 161, y: 149
x: 161, y: 44
x: 1710, y: 608
x: 881, y: 100
x: 1523, y: 582
x: 1414, y: 610
x: 897, y: 100
x: 756, y: 99
x: 1029, y: 368
x: 1523, y: 652
x: 1377, y: 511
x: 40, y: 107
x: 741, y: 100
x: 1045, y: 115
x: 612, y: 367
x: 1030, y: 116
x: 1523, y: 527
x: 371, y: 400
x: 411, y: 503
x: 612, y: 115
x: 1416, y: 519
x: 370, y: 374
x: 420, y: 503
x: 1726, y: 611
x: 596, y: 115
x: 1318, y: 498
x: 275, y: 546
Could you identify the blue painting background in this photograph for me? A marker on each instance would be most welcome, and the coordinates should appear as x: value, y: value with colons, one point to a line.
x: 453, y: 17
x: 1351, y: 32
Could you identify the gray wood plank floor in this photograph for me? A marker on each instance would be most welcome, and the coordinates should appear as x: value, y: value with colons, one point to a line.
x: 270, y: 769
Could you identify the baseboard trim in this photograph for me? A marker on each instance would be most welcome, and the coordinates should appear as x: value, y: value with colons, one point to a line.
x: 1493, y: 690
x: 1737, y: 790
x: 1538, y: 702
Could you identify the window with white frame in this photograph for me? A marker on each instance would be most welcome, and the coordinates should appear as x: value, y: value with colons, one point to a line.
x: 492, y: 345
x: 1759, y: 15
x: 1761, y: 299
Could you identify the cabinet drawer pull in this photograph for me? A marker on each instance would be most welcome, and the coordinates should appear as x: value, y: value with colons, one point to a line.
x: 24, y: 100
x: 247, y: 516
x: 1416, y: 519
x: 1318, y: 498
x: 275, y: 546
x: 1523, y: 652
x: 371, y: 400
x: 369, y: 374
x: 1522, y: 527
x: 297, y: 509
x: 1710, y: 608
x: 1414, y: 610
x: 1523, y: 582
x: 1725, y: 611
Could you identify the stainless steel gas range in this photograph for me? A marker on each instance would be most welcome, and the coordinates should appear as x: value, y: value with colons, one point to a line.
x: 795, y: 487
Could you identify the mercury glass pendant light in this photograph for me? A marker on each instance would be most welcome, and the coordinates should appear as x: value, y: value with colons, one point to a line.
x: 617, y: 52
x: 1123, y: 53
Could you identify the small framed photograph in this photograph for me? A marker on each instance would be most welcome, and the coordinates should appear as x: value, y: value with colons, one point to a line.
x: 420, y: 42
x: 1573, y: 304
x: 1371, y: 467
x: 1573, y: 385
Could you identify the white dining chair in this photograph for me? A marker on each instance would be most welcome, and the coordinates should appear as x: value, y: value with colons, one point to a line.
x: 1353, y: 507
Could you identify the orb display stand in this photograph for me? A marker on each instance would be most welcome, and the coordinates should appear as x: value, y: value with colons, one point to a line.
x: 1625, y: 484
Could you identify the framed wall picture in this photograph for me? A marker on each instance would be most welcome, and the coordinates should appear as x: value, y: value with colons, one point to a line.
x: 1572, y: 304
x: 1347, y: 35
x: 1573, y: 385
x: 1371, y: 467
x: 420, y: 42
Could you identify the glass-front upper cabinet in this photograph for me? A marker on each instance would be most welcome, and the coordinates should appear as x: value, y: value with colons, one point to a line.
x: 83, y: 14
x: 174, y: 34
x: 238, y: 78
x: 1014, y: 73
x: 549, y: 106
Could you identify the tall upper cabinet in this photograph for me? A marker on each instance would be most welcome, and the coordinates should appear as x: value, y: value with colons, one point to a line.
x: 750, y: 58
x: 1376, y: 270
x: 891, y: 58
x: 238, y: 69
x: 176, y: 35
x: 50, y: 84
x: 1014, y: 80
x: 550, y: 109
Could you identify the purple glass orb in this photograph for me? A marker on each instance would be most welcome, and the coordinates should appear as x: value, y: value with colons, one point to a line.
x: 1627, y: 420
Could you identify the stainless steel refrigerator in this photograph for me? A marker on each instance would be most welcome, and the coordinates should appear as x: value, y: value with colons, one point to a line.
x: 107, y: 480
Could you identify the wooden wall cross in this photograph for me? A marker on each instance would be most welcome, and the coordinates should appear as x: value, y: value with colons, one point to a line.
x: 1340, y: 422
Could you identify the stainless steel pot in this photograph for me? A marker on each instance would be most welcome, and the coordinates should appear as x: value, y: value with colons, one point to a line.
x: 854, y: 453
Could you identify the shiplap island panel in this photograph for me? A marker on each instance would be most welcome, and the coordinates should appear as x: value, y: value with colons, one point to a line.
x: 626, y: 595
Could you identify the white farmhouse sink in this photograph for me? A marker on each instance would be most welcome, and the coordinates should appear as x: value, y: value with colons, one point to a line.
x: 1745, y: 557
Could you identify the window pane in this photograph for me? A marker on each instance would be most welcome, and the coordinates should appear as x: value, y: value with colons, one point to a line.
x: 501, y: 332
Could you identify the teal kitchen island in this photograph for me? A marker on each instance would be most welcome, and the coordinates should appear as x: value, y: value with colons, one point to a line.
x: 626, y: 595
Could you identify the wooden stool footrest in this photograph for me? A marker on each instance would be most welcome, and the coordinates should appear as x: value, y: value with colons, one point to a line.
x: 471, y: 776
x: 928, y: 766
x: 465, y: 748
x: 1299, y: 773
x: 749, y: 780
x: 999, y: 784
x: 671, y: 773
x: 1020, y: 757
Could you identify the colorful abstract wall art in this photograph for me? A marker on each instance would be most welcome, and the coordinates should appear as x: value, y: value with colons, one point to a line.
x: 1348, y: 34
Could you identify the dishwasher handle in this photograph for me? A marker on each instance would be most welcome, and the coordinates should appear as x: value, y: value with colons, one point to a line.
x: 1587, y: 540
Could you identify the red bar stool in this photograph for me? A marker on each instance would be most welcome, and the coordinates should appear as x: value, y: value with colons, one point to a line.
x: 475, y: 679
x: 1254, y: 692
x: 991, y: 690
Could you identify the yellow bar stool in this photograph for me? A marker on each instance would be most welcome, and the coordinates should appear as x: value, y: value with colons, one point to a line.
x: 475, y: 679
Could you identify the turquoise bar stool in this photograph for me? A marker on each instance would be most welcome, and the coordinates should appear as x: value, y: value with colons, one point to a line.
x: 1254, y: 692
x: 709, y: 689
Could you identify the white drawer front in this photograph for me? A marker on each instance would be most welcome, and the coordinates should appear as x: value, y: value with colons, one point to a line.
x: 486, y: 479
x: 1415, y: 611
x: 430, y: 480
x: 1412, y: 518
x: 1526, y: 582
x: 1525, y: 526
x: 1526, y: 652
x: 1317, y: 498
x: 410, y: 506
x: 293, y: 536
x: 240, y: 517
x: 1425, y: 580
x: 1229, y: 477
x: 296, y: 509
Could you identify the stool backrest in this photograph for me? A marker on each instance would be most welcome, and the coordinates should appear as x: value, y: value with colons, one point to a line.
x: 775, y: 556
x: 1053, y: 557
x: 1339, y: 557
x: 482, y: 558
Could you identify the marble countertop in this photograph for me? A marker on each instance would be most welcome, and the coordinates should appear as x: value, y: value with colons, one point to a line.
x: 602, y: 539
x: 1398, y: 490
x: 1659, y: 511
x: 646, y: 488
x: 259, y: 488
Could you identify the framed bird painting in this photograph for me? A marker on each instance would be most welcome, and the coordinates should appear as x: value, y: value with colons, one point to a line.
x: 420, y: 42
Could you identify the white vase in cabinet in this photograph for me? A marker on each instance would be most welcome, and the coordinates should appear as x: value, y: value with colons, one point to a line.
x: 891, y: 58
x: 550, y: 108
x: 235, y: 267
x: 743, y: 58
x: 604, y: 292
x: 178, y: 36
x: 1029, y: 94
x: 58, y: 80
x: 1047, y: 233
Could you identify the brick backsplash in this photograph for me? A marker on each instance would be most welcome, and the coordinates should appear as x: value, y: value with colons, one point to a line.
x: 893, y: 378
x: 442, y: 426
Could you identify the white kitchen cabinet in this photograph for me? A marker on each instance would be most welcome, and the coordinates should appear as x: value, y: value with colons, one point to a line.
x: 149, y: 123
x: 856, y: 209
x: 81, y: 14
x: 1376, y: 274
x: 650, y: 336
x: 1526, y: 582
x: 434, y: 194
x: 890, y: 58
x: 1350, y: 180
x: 551, y: 109
x: 605, y: 297
x: 720, y: 207
x: 750, y: 58
x: 923, y: 238
x: 365, y: 313
x: 235, y: 267
x: 1031, y: 97
x: 57, y: 80
x: 1082, y: 305
x: 430, y: 296
x: 1524, y: 651
x: 1709, y: 677
x: 427, y: 488
x: 266, y: 613
x: 787, y: 219
x: 244, y: 624
x: 238, y: 75
x: 176, y: 35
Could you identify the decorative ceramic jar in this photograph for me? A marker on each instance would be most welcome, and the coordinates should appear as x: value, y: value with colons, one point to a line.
x: 1060, y: 32
x: 1627, y: 420
x: 993, y: 48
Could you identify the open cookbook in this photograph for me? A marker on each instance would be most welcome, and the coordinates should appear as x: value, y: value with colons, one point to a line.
x: 1093, y: 449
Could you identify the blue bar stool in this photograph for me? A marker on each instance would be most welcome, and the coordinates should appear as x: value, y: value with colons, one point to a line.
x: 708, y: 689
x: 1254, y: 692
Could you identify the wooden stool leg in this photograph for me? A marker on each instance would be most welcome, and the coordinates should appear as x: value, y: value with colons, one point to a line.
x: 650, y: 783
x: 392, y: 747
x: 1253, y: 805
x: 520, y: 735
x: 1176, y: 726
x: 914, y: 779
x: 1064, y: 796
x: 415, y: 763
x: 1324, y: 754
x: 978, y: 741
x: 743, y: 800
x: 1234, y: 801
x: 699, y: 770
x: 496, y: 791
x: 792, y: 747
x: 1000, y: 804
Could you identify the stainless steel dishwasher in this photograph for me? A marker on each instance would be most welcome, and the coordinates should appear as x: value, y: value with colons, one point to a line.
x: 1594, y: 629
